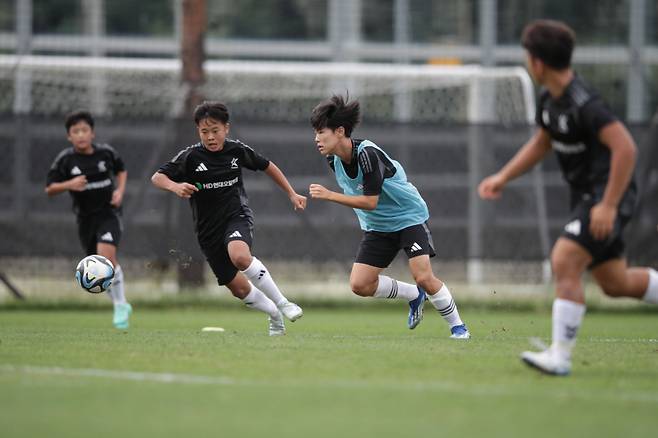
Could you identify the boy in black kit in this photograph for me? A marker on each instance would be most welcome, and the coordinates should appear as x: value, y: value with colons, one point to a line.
x: 89, y: 171
x: 597, y: 158
x: 209, y: 174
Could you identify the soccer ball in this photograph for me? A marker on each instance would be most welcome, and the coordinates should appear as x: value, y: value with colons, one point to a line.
x: 94, y: 274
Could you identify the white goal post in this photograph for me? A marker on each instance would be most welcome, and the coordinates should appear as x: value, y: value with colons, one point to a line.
x: 286, y: 92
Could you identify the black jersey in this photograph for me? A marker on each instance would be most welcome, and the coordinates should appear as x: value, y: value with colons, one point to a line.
x: 374, y: 167
x: 99, y: 168
x: 573, y: 122
x: 218, y: 176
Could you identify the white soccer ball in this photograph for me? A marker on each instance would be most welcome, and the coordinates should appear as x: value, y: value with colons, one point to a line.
x: 94, y: 273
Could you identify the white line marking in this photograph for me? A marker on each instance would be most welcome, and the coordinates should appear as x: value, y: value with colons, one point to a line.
x: 489, y: 390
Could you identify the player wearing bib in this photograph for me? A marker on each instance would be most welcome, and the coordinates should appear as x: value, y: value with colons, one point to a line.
x: 391, y: 213
x: 209, y: 174
x: 597, y: 157
x: 88, y: 171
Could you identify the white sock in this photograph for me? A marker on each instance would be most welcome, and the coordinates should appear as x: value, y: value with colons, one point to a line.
x: 116, y: 291
x: 443, y: 302
x: 256, y: 299
x: 651, y: 295
x: 567, y: 317
x: 388, y: 287
x: 260, y: 276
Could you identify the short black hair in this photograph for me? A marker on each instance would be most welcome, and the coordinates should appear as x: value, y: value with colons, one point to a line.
x: 78, y: 116
x: 550, y: 41
x: 336, y: 112
x: 211, y: 109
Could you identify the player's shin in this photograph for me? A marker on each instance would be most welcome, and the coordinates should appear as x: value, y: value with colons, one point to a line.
x: 116, y: 291
x: 390, y: 288
x: 259, y: 275
x: 446, y: 306
x: 651, y: 295
x: 567, y: 318
x: 256, y: 299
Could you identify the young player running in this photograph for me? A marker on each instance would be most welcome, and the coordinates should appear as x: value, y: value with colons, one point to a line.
x: 597, y: 157
x: 391, y: 213
x: 88, y: 171
x: 209, y: 173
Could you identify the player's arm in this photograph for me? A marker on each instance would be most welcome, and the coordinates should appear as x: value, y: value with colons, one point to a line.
x: 117, y: 195
x: 76, y: 184
x: 362, y: 202
x: 298, y: 201
x: 182, y: 189
x: 623, y: 153
x: 525, y: 159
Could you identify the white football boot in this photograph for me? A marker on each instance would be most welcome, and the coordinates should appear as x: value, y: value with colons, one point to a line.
x: 277, y: 327
x: 547, y: 361
x: 291, y: 311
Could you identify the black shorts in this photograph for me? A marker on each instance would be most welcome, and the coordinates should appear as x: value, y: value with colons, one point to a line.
x: 240, y: 228
x: 577, y: 229
x: 101, y: 228
x: 379, y: 248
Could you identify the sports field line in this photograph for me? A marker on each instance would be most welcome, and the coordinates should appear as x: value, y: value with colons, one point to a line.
x: 450, y: 387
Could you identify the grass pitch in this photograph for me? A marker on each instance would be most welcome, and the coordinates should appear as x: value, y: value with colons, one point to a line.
x: 344, y: 372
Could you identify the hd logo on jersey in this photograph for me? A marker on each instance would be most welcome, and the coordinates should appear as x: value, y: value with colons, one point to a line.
x: 216, y: 185
x: 234, y: 163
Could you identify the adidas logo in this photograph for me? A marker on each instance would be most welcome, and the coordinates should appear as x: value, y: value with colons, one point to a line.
x: 201, y: 167
x: 76, y: 171
x: 415, y: 247
x: 107, y: 237
x: 235, y: 234
x: 573, y: 227
x: 262, y: 272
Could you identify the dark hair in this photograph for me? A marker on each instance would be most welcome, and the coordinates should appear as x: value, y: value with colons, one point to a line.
x: 78, y: 116
x: 550, y: 41
x: 336, y: 112
x: 211, y: 109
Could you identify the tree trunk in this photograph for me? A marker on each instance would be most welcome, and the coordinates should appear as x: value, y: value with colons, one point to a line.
x: 194, y: 23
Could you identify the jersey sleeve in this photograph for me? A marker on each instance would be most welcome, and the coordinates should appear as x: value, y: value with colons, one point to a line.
x: 175, y: 169
x: 594, y: 115
x: 119, y: 165
x: 539, y: 120
x: 57, y: 172
x: 252, y: 160
x: 373, y: 169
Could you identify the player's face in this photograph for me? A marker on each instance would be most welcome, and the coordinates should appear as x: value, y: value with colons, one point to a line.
x: 81, y: 135
x: 327, y: 140
x: 212, y: 133
x: 535, y: 68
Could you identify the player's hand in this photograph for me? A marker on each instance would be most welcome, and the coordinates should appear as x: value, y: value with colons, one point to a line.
x: 78, y: 183
x: 185, y: 190
x: 117, y: 199
x: 601, y: 220
x: 298, y: 201
x: 318, y: 191
x: 491, y: 187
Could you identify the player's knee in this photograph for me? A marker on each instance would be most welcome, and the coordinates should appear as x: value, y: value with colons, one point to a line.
x: 241, y: 260
x: 614, y: 289
x: 426, y: 280
x: 362, y: 288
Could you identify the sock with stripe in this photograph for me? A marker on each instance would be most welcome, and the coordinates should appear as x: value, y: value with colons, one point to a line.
x: 256, y: 299
x: 390, y: 288
x: 443, y: 302
x: 567, y: 317
x: 261, y: 278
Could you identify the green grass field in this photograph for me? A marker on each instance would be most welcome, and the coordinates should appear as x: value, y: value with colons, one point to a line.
x: 343, y: 372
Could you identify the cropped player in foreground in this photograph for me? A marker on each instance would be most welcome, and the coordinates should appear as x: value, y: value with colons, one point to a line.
x: 597, y: 157
x: 209, y: 174
x: 391, y: 213
x: 89, y: 171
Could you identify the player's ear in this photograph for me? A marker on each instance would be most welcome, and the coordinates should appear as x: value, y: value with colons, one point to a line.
x: 340, y: 131
x: 227, y: 127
